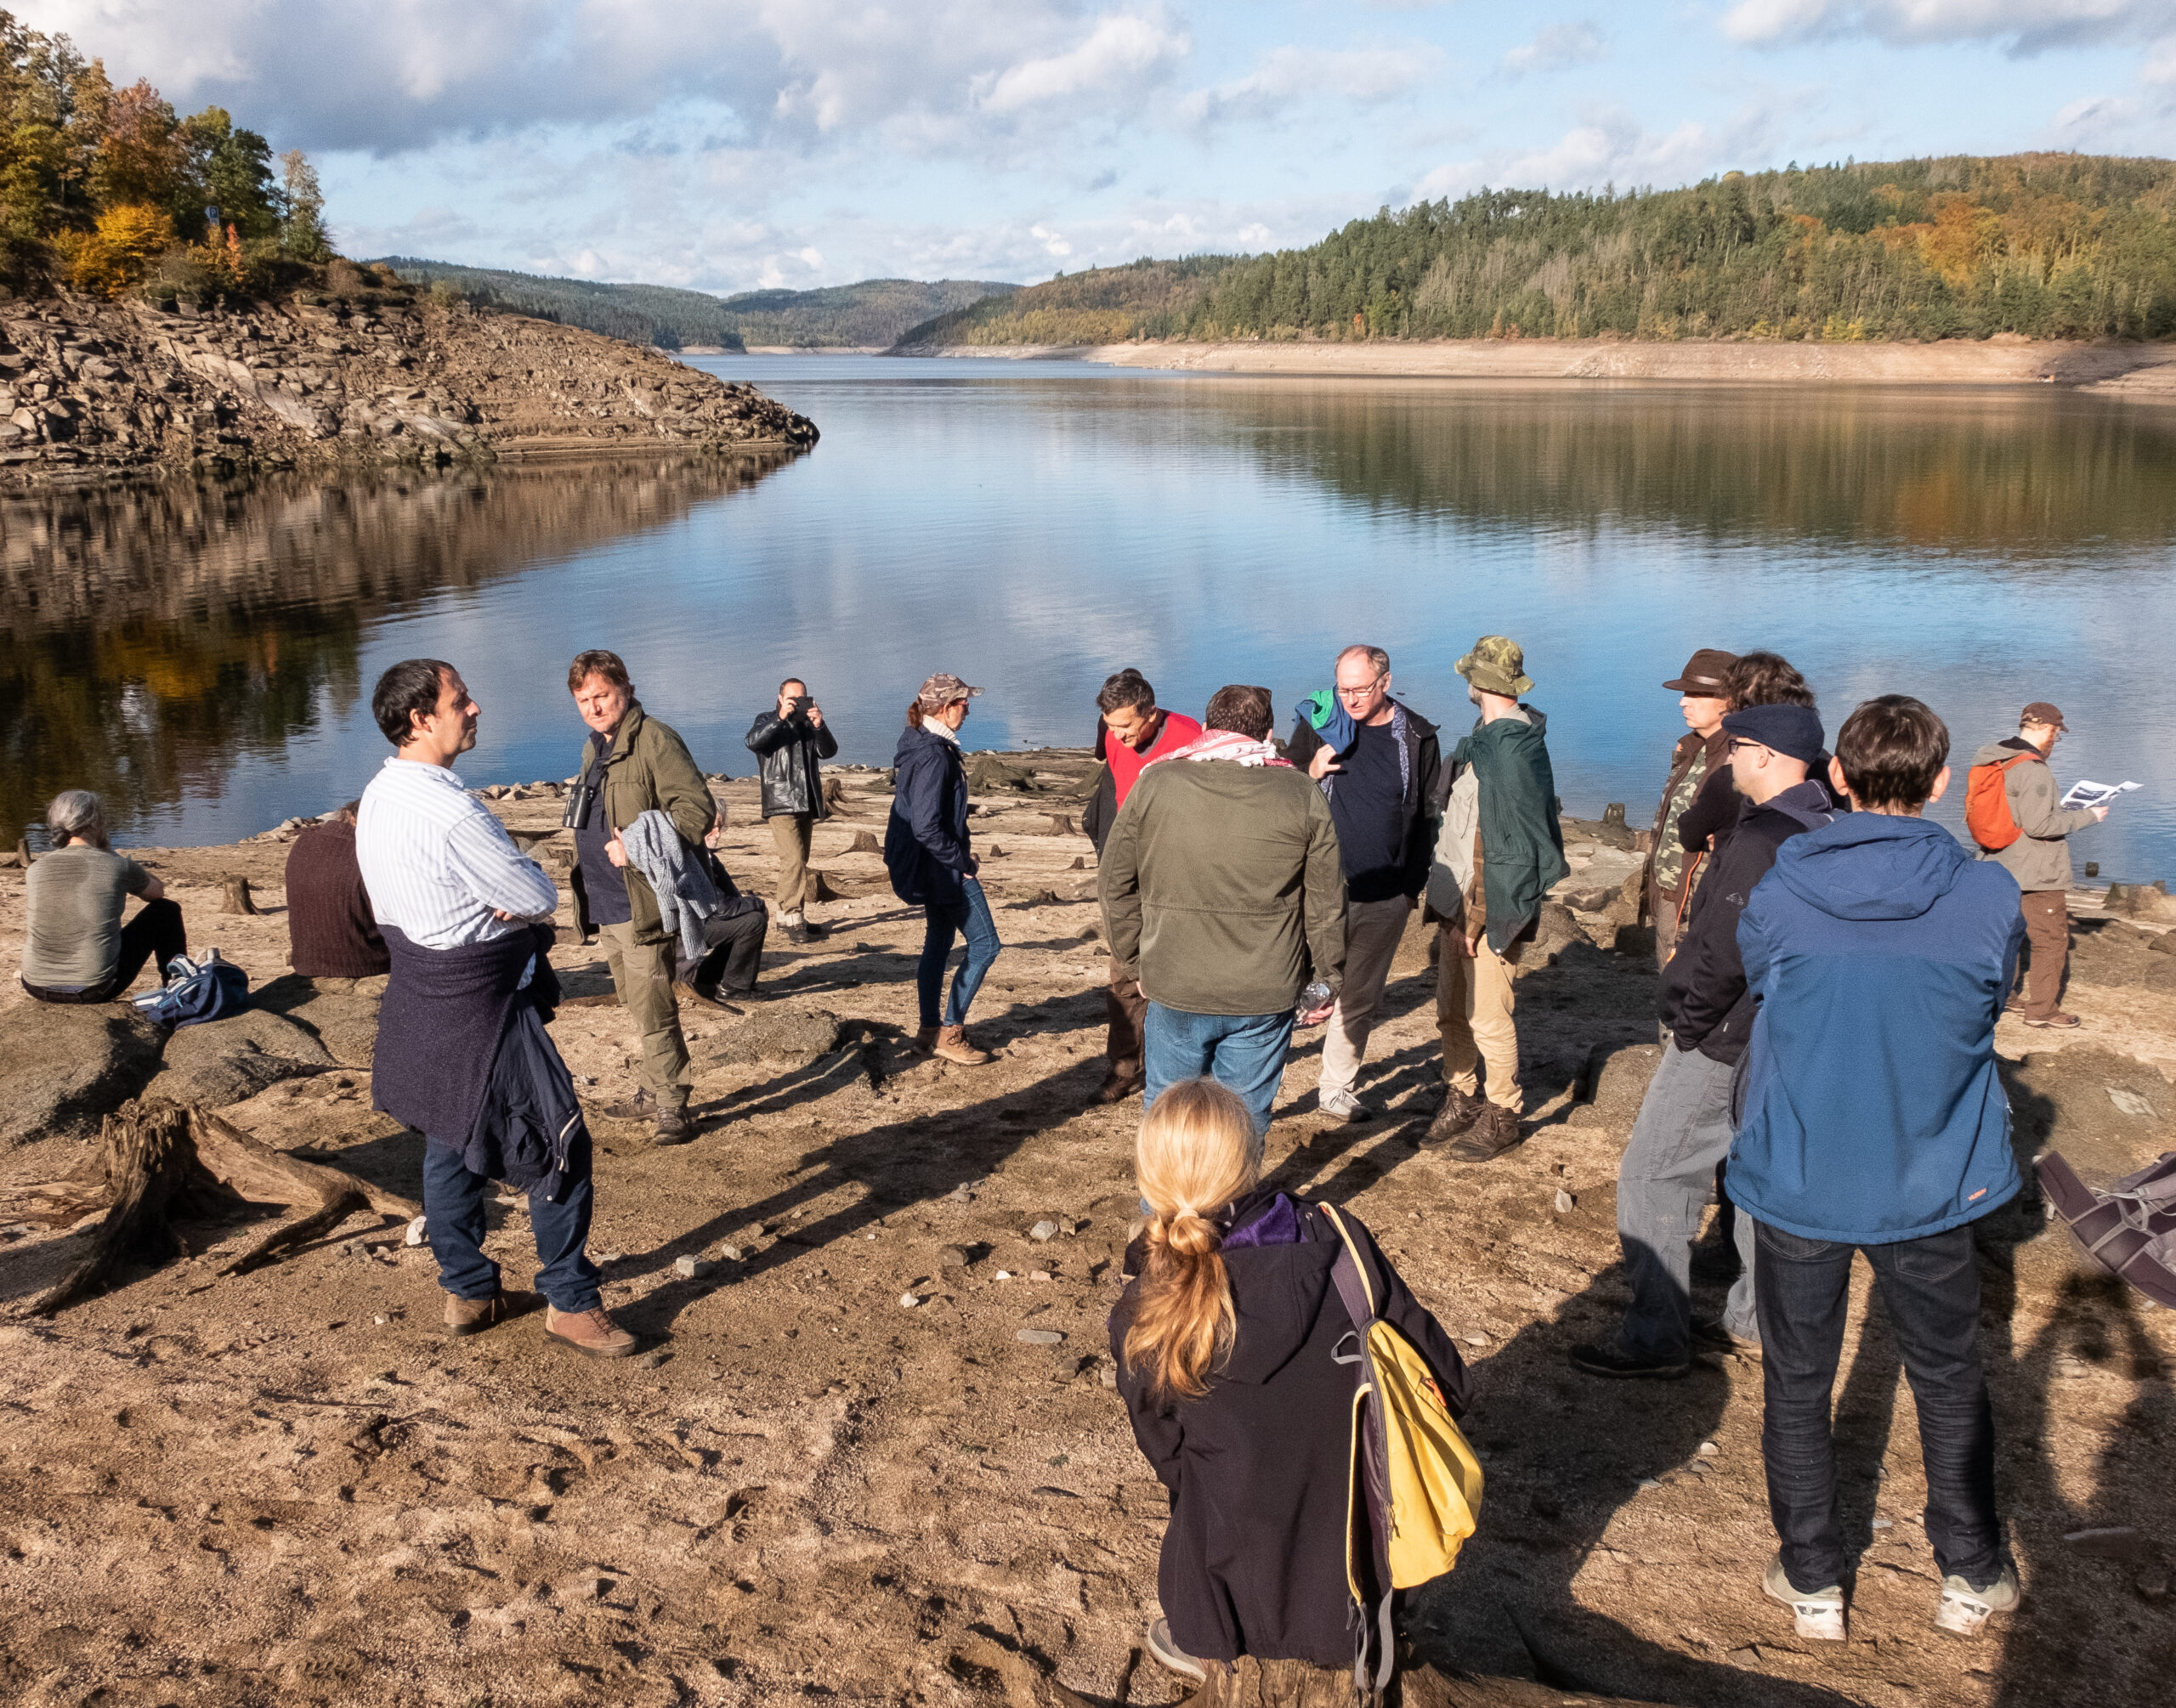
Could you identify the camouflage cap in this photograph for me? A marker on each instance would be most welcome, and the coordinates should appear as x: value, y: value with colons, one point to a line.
x: 1497, y: 666
x: 942, y: 689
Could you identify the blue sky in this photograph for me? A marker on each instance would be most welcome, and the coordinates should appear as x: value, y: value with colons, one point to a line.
x: 814, y: 142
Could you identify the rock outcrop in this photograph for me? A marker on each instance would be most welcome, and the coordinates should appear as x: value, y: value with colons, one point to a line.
x: 227, y: 1061
x: 66, y: 1068
x: 91, y: 388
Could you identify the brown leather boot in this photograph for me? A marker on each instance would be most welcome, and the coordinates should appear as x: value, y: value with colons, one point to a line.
x: 468, y: 1316
x: 1125, y: 1080
x: 952, y: 1045
x: 1461, y: 1110
x: 1495, y: 1131
x: 926, y: 1040
x: 590, y: 1332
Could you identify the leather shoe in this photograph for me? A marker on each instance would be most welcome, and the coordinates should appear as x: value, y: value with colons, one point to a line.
x: 952, y: 1045
x: 1461, y: 1110
x: 1117, y: 1087
x: 590, y: 1332
x: 468, y: 1316
x: 1494, y: 1131
x: 674, y: 1127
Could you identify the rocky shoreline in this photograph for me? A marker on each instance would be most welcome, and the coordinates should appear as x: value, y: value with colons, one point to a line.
x: 93, y: 390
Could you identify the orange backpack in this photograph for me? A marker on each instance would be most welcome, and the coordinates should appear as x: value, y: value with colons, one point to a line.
x: 1986, y: 803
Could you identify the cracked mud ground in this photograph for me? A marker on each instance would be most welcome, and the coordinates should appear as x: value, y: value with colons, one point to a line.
x: 285, y: 1488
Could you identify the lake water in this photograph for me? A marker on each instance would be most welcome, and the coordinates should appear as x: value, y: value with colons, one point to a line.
x: 203, y: 655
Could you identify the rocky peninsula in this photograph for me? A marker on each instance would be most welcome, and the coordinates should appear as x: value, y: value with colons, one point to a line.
x: 93, y: 389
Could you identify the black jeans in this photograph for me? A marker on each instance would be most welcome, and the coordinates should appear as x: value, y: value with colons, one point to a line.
x: 735, y: 952
x: 155, y: 935
x: 1930, y: 1288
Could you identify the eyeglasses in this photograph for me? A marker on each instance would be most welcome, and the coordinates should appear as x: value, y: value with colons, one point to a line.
x: 1365, y: 688
x: 1739, y: 741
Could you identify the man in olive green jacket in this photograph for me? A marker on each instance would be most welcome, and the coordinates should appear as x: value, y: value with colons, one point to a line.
x: 632, y: 765
x: 1223, y: 896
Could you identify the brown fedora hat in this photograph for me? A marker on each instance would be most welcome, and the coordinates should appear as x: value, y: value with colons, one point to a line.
x: 1707, y: 673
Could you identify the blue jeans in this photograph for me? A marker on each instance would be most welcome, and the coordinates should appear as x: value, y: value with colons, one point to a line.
x: 453, y: 1202
x: 1242, y: 1052
x: 1930, y: 1288
x: 971, y: 914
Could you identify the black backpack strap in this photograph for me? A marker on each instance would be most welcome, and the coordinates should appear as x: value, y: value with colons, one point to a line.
x: 1359, y: 1284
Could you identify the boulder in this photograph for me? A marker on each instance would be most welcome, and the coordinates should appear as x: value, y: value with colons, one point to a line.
x: 2108, y: 1114
x: 1556, y: 931
x: 2142, y: 902
x: 792, y: 1038
x: 1615, y: 1085
x: 340, y: 1014
x: 2111, y: 953
x: 226, y: 1061
x: 64, y: 1069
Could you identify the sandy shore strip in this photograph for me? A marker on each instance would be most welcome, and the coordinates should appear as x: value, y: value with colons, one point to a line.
x: 2144, y: 371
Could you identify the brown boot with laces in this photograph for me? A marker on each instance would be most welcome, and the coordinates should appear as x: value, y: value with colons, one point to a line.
x: 1461, y: 1110
x: 952, y: 1045
x: 468, y: 1316
x: 1495, y: 1132
x: 590, y: 1332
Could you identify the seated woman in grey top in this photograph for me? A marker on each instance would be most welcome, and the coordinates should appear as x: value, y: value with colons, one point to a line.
x: 76, y: 948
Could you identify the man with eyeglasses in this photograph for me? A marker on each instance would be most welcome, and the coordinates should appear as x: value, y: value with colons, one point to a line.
x: 1668, y: 1175
x: 1377, y: 788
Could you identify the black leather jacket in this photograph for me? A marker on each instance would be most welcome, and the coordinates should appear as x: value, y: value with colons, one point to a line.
x: 790, y: 750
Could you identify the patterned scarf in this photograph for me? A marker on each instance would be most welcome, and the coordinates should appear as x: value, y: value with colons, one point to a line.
x: 1227, y: 744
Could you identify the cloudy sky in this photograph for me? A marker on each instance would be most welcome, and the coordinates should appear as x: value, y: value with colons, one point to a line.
x: 815, y: 142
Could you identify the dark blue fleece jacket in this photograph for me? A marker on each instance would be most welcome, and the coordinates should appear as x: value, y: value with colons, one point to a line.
x: 1880, y: 953
x: 926, y: 840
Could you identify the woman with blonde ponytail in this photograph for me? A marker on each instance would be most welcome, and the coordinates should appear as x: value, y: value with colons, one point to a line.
x: 1226, y: 1340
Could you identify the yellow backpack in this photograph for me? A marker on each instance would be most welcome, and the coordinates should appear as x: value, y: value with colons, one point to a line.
x: 1414, y: 1493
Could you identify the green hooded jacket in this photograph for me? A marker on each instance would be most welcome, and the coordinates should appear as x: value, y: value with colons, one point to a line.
x: 1521, y: 843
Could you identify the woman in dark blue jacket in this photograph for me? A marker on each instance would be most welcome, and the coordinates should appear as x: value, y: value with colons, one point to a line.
x: 925, y: 848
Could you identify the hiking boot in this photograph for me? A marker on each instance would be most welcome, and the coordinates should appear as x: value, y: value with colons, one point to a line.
x: 926, y: 1040
x: 590, y: 1332
x: 1343, y: 1106
x: 1614, y: 1361
x: 1461, y: 1110
x: 2058, y: 1022
x: 642, y: 1106
x: 1170, y: 1656
x: 1817, y: 1613
x: 468, y: 1316
x: 1119, y: 1084
x: 1710, y: 1335
x: 674, y: 1127
x: 711, y: 997
x: 952, y: 1045
x: 1963, y: 1610
x: 1493, y: 1132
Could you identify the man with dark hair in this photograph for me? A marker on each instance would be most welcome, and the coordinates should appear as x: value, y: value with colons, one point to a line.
x: 1223, y: 899
x: 790, y: 744
x: 331, y: 933
x: 1704, y: 692
x: 1878, y: 952
x: 461, y: 1053
x: 2033, y: 847
x: 631, y: 765
x: 1668, y: 1174
x: 1132, y: 731
x: 1499, y: 850
x: 1377, y: 787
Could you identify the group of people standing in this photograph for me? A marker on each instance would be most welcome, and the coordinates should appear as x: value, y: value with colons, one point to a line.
x: 1832, y: 969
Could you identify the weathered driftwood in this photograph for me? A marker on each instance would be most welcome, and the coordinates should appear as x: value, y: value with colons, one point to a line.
x: 236, y: 898
x: 159, y: 1161
x: 826, y: 890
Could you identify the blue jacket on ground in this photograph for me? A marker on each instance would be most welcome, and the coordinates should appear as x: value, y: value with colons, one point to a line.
x: 926, y: 843
x: 1881, y: 953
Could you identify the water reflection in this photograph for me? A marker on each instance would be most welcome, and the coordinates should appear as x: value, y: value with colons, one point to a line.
x: 153, y: 638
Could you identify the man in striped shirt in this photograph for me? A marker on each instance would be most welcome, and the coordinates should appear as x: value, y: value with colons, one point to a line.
x: 462, y: 1054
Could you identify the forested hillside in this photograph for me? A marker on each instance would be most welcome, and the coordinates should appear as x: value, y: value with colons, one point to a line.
x: 2049, y: 246
x: 654, y: 314
x: 873, y: 313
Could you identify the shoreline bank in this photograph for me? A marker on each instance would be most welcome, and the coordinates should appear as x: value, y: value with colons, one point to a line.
x: 2146, y: 372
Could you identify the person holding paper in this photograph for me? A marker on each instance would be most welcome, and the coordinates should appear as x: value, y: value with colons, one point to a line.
x: 2038, y: 856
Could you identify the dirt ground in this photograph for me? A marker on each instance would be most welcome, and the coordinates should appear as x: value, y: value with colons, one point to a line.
x: 286, y: 1488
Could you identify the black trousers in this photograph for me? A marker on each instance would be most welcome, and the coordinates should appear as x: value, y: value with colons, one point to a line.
x: 1930, y: 1288
x: 155, y: 935
x: 735, y: 954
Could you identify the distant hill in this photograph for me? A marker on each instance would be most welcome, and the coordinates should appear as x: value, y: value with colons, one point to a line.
x: 2050, y: 245
x: 641, y: 313
x: 873, y: 313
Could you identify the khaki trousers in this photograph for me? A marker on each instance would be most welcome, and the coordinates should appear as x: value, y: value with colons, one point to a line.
x: 793, y: 833
x: 2048, y: 937
x: 643, y: 975
x: 1474, y: 1002
x: 1373, y: 931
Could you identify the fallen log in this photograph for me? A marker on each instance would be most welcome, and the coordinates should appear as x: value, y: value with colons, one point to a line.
x: 161, y: 1162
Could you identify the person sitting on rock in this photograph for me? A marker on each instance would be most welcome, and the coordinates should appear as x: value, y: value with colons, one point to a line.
x: 76, y: 949
x: 331, y: 933
x: 1227, y: 1341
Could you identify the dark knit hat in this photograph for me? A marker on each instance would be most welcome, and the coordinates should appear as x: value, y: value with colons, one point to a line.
x: 1794, y: 731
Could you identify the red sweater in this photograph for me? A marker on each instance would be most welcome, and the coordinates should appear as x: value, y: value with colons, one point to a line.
x: 331, y: 933
x: 1125, y: 761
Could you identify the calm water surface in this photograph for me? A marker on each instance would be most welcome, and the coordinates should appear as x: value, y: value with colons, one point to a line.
x: 204, y: 655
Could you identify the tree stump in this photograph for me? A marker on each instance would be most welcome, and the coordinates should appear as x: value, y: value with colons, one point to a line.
x: 236, y: 897
x: 160, y: 1161
x: 835, y: 793
x: 826, y: 891
x: 865, y: 842
x: 1061, y: 825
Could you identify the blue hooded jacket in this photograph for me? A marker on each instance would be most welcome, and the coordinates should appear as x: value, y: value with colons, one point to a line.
x: 926, y: 840
x: 1881, y: 953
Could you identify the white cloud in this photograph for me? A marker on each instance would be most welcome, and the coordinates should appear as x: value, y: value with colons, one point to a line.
x: 1121, y: 48
x: 1559, y: 45
x: 1283, y: 76
x: 1053, y: 243
x: 1610, y: 146
x: 2161, y: 64
x: 2025, y: 25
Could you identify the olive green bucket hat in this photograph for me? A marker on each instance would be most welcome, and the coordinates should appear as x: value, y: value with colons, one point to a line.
x: 1497, y: 666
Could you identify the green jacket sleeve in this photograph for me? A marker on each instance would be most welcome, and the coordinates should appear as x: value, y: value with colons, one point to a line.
x: 681, y: 795
x: 1322, y: 905
x: 1118, y: 885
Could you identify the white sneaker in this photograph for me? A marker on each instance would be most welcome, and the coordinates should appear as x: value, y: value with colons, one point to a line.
x: 1170, y: 1656
x: 1963, y: 1610
x: 1344, y: 1106
x: 1816, y: 1614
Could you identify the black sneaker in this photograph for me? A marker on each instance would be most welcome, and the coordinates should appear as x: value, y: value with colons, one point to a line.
x: 1615, y: 1362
